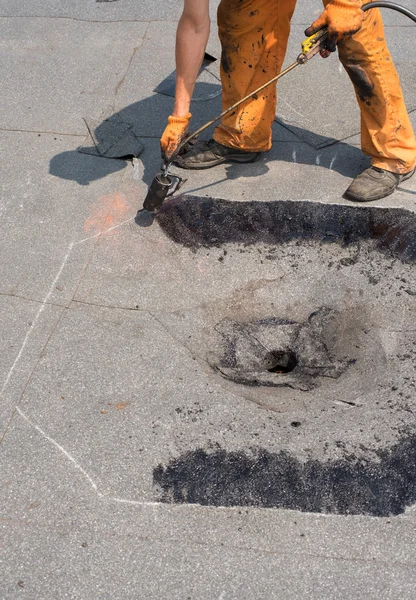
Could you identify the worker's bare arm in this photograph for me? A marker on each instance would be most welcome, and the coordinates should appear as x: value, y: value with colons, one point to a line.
x: 191, y: 40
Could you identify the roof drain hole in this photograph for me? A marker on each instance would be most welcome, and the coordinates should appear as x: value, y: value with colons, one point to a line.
x: 281, y: 361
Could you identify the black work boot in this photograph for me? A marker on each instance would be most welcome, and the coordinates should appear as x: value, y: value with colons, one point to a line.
x: 375, y: 183
x: 205, y: 155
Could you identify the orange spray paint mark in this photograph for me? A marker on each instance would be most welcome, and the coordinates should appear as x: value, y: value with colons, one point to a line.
x: 107, y: 212
x: 122, y: 405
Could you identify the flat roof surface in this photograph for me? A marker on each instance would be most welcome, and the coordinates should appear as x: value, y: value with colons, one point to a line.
x: 152, y: 446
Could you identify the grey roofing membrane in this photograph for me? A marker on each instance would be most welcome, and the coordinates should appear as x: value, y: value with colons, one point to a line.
x: 216, y: 403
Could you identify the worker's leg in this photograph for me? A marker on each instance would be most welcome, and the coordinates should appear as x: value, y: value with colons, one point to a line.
x: 254, y: 36
x: 386, y: 132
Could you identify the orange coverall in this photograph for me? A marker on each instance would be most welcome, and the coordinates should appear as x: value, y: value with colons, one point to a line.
x: 254, y: 36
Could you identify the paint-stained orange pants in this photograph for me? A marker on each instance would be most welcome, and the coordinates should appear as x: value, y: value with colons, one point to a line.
x: 254, y: 35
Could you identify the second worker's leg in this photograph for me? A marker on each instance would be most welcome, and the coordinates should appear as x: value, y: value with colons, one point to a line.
x: 386, y: 132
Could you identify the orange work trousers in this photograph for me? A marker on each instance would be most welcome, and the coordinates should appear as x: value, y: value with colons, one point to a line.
x: 254, y: 36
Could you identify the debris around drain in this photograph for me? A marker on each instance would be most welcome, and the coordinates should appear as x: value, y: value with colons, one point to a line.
x: 277, y: 352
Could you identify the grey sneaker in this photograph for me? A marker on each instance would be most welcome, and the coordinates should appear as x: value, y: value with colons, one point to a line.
x: 205, y: 155
x: 375, y: 183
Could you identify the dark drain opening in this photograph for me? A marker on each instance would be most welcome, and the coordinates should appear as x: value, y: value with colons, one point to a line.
x: 278, y: 352
x: 281, y: 361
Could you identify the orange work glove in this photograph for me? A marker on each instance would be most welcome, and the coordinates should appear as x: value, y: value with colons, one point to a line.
x: 174, y: 133
x: 342, y: 17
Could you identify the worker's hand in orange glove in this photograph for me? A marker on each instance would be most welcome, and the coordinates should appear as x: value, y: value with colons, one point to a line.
x: 342, y: 17
x: 174, y: 134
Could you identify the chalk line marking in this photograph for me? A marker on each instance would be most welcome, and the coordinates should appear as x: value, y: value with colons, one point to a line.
x: 48, y: 295
x: 293, y: 108
x: 96, y: 235
x: 81, y: 469
x: 35, y: 320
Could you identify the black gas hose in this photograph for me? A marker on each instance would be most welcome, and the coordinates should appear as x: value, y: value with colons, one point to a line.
x: 384, y: 4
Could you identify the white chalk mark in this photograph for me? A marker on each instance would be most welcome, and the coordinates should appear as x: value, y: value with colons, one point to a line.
x: 80, y: 468
x: 332, y: 162
x: 96, y: 235
x: 294, y: 109
x: 318, y: 159
x: 35, y: 320
x: 48, y: 295
x: 52, y: 441
x: 136, y: 169
x: 127, y: 501
x: 294, y: 156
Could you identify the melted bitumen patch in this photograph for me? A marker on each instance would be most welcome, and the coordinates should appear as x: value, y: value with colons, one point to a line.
x: 363, y: 480
x: 268, y: 480
x: 198, y: 222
